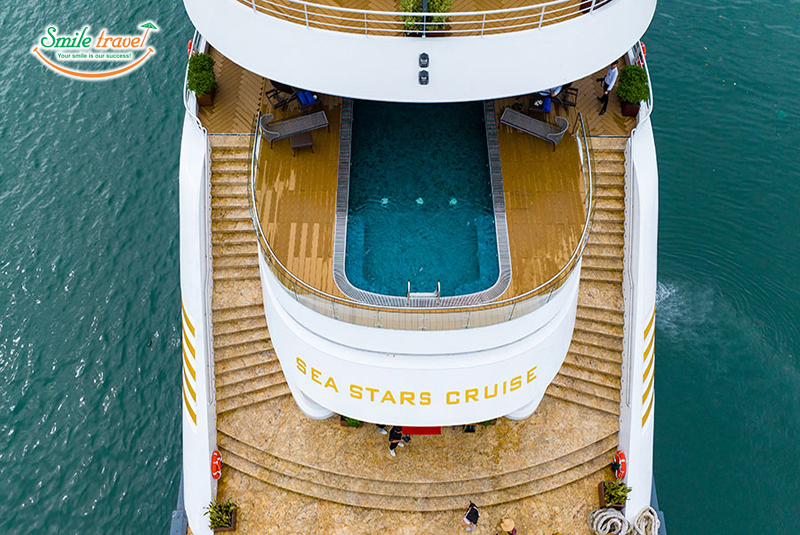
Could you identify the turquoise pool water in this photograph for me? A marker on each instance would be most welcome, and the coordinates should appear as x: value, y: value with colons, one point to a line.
x: 420, y: 201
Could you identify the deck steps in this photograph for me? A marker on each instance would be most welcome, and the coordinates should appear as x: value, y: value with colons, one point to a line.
x: 233, y: 237
x: 242, y: 336
x: 235, y: 162
x: 594, y: 249
x: 235, y: 249
x: 600, y: 262
x: 230, y: 190
x: 275, y: 391
x: 235, y: 261
x: 240, y: 324
x: 243, y: 361
x: 590, y: 375
x: 231, y: 214
x: 601, y: 275
x: 238, y: 313
x: 419, y: 495
x: 241, y: 228
x: 263, y: 367
x: 227, y: 273
x: 602, y: 315
x: 246, y: 368
x: 240, y: 350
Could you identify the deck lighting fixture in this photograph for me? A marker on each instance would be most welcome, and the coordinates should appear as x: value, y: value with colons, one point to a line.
x: 423, y: 61
x: 423, y: 77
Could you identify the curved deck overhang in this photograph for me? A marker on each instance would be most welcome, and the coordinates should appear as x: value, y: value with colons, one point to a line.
x: 461, y: 68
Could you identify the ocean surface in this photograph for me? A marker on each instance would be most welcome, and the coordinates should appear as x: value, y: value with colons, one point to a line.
x: 89, y: 288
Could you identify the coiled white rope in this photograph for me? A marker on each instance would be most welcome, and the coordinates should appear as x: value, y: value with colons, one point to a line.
x: 647, y: 522
x: 608, y: 522
x: 612, y: 522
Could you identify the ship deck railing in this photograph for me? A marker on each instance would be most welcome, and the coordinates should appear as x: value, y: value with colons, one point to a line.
x: 413, y: 24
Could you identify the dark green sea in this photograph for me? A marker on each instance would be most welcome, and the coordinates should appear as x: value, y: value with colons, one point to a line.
x: 89, y: 287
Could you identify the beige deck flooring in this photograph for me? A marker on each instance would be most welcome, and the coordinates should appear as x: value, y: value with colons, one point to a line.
x: 266, y: 509
x: 237, y: 99
x: 555, y: 429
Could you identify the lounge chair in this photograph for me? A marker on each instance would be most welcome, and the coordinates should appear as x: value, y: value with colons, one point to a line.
x: 535, y: 127
x: 290, y: 127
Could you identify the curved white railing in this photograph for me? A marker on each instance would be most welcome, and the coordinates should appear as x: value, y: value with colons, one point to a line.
x: 398, y: 23
x: 639, y: 57
x: 427, y: 318
x: 190, y: 103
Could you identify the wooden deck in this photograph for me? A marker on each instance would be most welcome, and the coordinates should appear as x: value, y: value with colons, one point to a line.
x: 296, y: 199
x: 237, y: 98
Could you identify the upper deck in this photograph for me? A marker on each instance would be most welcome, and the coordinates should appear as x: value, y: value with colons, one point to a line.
x: 295, y: 196
x: 368, y: 49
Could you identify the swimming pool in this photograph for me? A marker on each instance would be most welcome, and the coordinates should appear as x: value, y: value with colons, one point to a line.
x: 420, y: 203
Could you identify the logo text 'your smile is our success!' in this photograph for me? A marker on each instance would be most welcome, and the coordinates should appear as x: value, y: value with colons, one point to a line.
x: 81, y: 46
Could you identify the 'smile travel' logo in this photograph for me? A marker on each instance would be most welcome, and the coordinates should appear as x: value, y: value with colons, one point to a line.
x: 56, y: 51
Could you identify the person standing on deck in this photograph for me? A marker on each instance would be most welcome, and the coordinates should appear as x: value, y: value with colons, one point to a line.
x: 608, y: 84
x: 395, y: 438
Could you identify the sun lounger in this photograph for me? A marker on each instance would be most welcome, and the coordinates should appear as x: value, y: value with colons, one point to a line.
x: 290, y: 127
x: 535, y: 127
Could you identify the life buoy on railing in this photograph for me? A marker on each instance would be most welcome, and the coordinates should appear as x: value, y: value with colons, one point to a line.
x: 189, y: 48
x: 640, y: 60
x: 619, y: 465
x: 216, y: 464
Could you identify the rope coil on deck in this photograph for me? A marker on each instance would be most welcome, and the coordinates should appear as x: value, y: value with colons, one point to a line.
x: 612, y: 522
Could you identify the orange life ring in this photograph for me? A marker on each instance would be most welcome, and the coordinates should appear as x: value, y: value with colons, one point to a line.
x: 216, y: 464
x: 620, y: 464
x: 189, y: 48
x: 640, y: 59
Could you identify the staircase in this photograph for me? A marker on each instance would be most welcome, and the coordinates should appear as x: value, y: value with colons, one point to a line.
x: 590, y: 375
x: 245, y: 365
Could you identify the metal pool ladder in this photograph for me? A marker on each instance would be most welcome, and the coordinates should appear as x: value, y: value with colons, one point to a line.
x: 428, y: 295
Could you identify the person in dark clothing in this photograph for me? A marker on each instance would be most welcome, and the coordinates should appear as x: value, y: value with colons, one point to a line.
x: 470, y: 519
x: 395, y: 438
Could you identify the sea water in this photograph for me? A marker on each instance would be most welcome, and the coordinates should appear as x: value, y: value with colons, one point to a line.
x: 89, y: 287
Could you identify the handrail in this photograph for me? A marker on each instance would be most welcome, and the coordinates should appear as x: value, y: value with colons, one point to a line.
x: 374, y: 22
x: 640, y: 57
x: 205, y: 210
x: 294, y: 284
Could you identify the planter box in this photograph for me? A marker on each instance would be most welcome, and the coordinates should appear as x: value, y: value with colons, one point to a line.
x: 232, y: 527
x: 601, y: 491
x: 344, y: 423
x: 630, y: 110
x: 207, y: 99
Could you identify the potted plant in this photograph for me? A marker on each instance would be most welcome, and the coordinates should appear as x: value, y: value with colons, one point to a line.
x: 222, y: 515
x: 632, y: 89
x: 613, y: 493
x: 349, y: 422
x: 413, y: 24
x: 201, y: 78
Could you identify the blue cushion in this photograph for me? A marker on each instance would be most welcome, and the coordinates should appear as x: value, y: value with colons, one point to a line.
x: 302, y: 95
x: 547, y: 104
